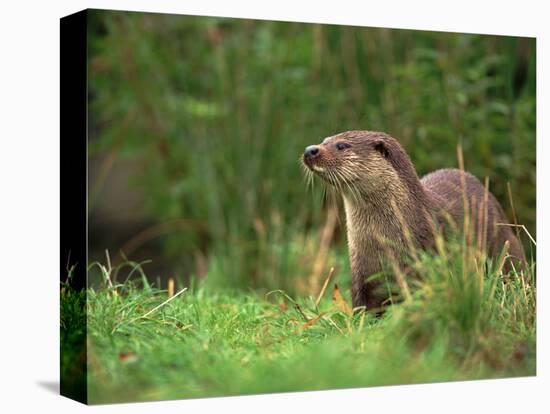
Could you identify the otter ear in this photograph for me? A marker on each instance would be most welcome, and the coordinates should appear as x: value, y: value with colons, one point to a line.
x: 380, y: 146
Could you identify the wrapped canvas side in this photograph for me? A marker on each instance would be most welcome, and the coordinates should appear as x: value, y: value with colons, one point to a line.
x: 73, y: 171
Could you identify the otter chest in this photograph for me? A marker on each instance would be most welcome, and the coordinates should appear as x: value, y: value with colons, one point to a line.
x: 372, y: 231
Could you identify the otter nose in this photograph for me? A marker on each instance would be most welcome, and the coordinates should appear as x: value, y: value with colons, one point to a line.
x: 311, y: 151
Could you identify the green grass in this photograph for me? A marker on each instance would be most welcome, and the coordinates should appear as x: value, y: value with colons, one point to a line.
x: 461, y: 321
x: 73, y: 341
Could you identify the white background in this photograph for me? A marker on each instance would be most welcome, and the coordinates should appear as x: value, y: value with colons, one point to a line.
x: 29, y: 204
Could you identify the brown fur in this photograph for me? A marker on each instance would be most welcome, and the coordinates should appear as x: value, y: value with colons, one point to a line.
x: 389, y: 210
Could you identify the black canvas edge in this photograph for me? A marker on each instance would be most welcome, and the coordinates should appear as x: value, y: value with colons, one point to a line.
x: 73, y: 206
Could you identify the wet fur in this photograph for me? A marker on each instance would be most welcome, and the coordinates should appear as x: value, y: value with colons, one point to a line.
x: 389, y: 210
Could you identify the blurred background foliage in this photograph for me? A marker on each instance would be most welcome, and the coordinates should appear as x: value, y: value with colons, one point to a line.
x: 197, y: 125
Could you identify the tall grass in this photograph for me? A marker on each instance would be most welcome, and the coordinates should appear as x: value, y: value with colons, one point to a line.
x: 217, y: 112
x: 463, y: 320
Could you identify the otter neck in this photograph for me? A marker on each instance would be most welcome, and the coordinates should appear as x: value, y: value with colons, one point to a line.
x: 372, y: 229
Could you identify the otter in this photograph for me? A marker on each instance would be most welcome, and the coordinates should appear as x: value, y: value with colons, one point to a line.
x: 389, y: 209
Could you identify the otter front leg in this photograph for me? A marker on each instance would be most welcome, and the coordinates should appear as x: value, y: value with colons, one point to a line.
x: 368, y: 294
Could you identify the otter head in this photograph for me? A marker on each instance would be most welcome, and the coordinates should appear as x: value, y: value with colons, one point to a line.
x: 361, y: 163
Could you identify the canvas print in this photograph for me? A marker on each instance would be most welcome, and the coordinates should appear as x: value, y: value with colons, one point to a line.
x: 255, y: 206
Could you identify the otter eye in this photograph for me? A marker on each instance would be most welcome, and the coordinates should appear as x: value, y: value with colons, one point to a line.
x: 342, y: 146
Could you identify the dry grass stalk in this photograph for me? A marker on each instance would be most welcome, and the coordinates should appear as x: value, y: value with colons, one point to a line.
x: 511, y: 199
x: 327, y: 235
x: 521, y: 226
x: 324, y: 288
x: 505, y: 250
x: 163, y: 303
x: 466, y: 225
x: 171, y: 287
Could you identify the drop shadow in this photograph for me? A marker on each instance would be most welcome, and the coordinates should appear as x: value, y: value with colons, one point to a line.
x: 51, y: 386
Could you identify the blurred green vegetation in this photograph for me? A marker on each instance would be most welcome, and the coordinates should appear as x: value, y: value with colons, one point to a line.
x: 219, y: 110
